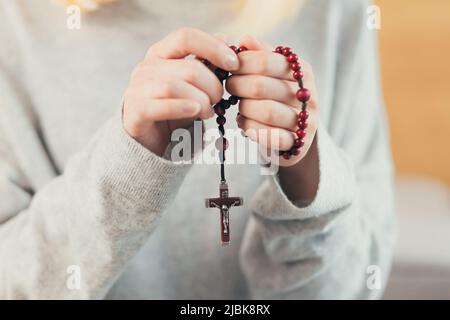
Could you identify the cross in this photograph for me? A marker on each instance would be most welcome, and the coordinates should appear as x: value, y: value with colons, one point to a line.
x: 224, y: 203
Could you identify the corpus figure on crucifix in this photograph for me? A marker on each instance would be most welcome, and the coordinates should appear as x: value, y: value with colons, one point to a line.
x: 224, y: 203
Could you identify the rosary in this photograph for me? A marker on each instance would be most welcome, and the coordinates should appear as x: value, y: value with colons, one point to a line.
x: 224, y: 202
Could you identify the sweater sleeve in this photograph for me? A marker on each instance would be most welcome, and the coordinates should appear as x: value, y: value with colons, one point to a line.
x: 72, y: 237
x: 330, y: 249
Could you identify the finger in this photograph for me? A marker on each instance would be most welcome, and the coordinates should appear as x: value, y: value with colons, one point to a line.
x: 175, y: 89
x: 267, y: 136
x: 262, y: 87
x: 271, y: 113
x: 264, y: 63
x: 222, y: 37
x: 186, y: 41
x: 170, y: 109
x: 191, y: 71
x: 251, y: 43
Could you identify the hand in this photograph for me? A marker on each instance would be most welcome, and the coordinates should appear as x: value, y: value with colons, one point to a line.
x: 267, y: 90
x: 167, y: 92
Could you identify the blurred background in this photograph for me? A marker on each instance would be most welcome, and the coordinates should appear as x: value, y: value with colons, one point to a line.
x: 415, y: 59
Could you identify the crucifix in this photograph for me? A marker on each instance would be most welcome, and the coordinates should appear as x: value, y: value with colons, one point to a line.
x: 224, y: 203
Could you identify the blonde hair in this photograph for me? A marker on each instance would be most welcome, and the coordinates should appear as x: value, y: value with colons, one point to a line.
x: 258, y: 17
x: 254, y: 16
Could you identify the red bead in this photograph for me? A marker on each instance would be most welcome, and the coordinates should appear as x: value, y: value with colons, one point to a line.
x: 221, y: 144
x: 303, y: 95
x: 298, y: 74
x: 295, y: 66
x: 233, y: 100
x: 301, y: 133
x: 286, y: 51
x: 219, y: 110
x: 303, y: 125
x: 292, y: 58
x: 242, y: 49
x: 286, y: 155
x: 295, y: 151
x: 298, y: 143
x: 279, y: 49
x: 221, y: 120
x: 303, y: 115
x: 234, y: 48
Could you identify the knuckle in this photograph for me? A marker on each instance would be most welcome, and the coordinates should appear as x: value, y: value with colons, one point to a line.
x: 285, y: 141
x: 193, y: 71
x: 312, y: 104
x: 262, y: 63
x: 258, y: 88
x: 183, y: 35
x: 141, y: 114
x: 306, y: 66
x: 166, y: 88
x: 137, y: 69
x: 269, y: 115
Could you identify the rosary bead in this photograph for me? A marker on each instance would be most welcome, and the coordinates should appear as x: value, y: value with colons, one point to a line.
x: 233, y: 100
x: 298, y: 143
x: 303, y: 95
x: 303, y: 115
x: 303, y: 125
x: 279, y: 49
x: 295, y: 151
x: 295, y: 66
x: 223, y: 104
x: 297, y: 75
x: 286, y: 51
x: 286, y: 155
x: 219, y: 110
x: 242, y: 49
x: 222, y: 144
x: 292, y: 58
x: 301, y: 133
x: 221, y: 120
x: 221, y: 74
x: 234, y: 48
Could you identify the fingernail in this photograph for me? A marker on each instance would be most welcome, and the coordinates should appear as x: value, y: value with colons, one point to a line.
x: 191, y: 108
x: 231, y: 60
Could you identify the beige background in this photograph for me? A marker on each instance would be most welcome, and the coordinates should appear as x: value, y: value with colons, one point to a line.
x: 415, y: 56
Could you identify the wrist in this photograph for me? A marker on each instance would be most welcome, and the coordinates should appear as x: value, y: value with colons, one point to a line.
x: 301, y: 180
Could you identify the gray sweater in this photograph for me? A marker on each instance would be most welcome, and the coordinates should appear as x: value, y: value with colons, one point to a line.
x: 80, y: 198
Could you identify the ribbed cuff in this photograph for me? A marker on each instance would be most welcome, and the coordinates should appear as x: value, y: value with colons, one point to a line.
x: 128, y: 168
x: 337, y: 186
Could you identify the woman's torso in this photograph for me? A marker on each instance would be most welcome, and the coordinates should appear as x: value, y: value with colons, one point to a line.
x: 75, y: 80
